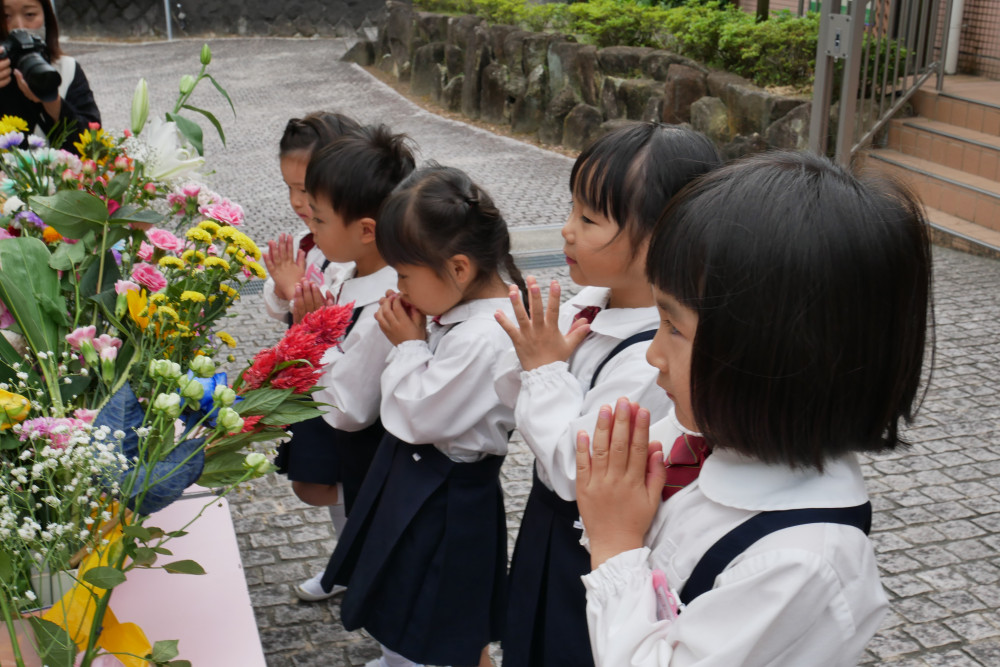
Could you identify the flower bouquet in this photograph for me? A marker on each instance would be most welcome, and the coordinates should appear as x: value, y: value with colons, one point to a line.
x: 111, y: 401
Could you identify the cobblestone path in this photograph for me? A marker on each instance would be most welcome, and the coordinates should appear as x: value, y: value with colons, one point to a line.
x: 937, y: 521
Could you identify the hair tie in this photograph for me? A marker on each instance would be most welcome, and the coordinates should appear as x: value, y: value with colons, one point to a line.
x: 472, y: 201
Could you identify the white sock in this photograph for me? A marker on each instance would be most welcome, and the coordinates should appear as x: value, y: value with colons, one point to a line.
x: 392, y: 659
x: 337, y: 515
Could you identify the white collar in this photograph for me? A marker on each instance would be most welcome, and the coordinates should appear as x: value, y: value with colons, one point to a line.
x: 615, y: 322
x: 367, y: 289
x: 734, y: 480
x: 469, y: 309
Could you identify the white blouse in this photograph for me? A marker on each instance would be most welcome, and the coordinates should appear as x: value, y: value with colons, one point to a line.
x: 279, y: 308
x: 351, y: 371
x: 555, y: 401
x: 441, y: 391
x: 806, y: 595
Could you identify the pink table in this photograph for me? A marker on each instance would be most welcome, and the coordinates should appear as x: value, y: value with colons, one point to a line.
x: 210, y: 614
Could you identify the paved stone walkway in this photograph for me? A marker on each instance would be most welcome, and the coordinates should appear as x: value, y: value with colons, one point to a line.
x: 937, y: 524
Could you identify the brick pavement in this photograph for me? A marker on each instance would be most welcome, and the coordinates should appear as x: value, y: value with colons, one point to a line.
x: 937, y: 521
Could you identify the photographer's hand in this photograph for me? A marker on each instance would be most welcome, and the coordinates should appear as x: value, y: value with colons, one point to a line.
x: 5, y: 71
x: 52, y: 109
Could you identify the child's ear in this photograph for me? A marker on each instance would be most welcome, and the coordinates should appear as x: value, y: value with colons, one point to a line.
x: 367, y: 230
x: 461, y: 269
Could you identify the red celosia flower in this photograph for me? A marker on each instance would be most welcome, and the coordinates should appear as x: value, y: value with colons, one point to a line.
x: 250, y: 423
x: 304, y: 343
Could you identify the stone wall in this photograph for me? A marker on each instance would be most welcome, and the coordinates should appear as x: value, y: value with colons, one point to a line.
x: 145, y: 18
x: 568, y: 93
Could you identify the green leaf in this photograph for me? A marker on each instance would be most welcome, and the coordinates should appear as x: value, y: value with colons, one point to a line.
x: 134, y: 215
x: 290, y: 413
x: 222, y: 90
x: 262, y: 401
x: 211, y: 118
x: 138, y: 532
x: 88, y: 281
x: 72, y: 212
x: 144, y: 556
x: 118, y: 185
x: 190, y: 129
x: 25, y: 279
x: 177, y: 533
x: 6, y: 568
x: 75, y: 387
x: 222, y: 469
x: 68, y: 255
x: 163, y: 551
x: 55, y: 647
x: 104, y: 577
x: 178, y: 663
x: 184, y: 567
x: 163, y: 650
x: 56, y: 310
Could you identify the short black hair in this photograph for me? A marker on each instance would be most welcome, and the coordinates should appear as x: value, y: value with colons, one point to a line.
x: 315, y: 129
x: 439, y: 212
x: 812, y: 289
x: 630, y: 174
x: 356, y: 172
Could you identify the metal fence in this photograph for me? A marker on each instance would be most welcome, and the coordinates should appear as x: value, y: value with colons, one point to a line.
x: 980, y: 38
x: 880, y: 53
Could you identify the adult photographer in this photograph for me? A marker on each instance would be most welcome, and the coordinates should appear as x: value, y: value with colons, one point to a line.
x: 31, y: 63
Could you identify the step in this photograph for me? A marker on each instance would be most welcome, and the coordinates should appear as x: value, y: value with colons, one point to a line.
x: 972, y: 198
x: 957, y: 147
x: 961, y: 109
x: 951, y: 232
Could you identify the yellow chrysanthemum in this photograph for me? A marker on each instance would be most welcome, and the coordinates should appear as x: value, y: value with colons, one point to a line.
x: 233, y: 250
x: 211, y: 262
x: 212, y: 298
x: 171, y: 262
x: 193, y: 256
x: 226, y: 232
x: 191, y: 295
x: 229, y: 291
x: 257, y: 270
x: 197, y: 234
x: 12, y: 124
x: 226, y: 338
x: 159, y: 297
x: 210, y: 226
x: 168, y: 311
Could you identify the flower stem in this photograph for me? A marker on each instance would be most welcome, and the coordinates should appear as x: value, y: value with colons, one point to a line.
x: 11, y: 630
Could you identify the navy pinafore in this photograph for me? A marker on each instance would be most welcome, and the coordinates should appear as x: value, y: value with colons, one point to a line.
x: 547, y: 602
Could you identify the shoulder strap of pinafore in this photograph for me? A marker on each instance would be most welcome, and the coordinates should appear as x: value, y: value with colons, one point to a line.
x: 739, y: 539
x: 628, y: 342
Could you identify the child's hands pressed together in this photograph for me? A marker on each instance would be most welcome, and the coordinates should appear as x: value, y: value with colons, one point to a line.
x: 399, y: 320
x: 285, y: 265
x: 309, y: 297
x: 618, y: 487
x: 536, y: 337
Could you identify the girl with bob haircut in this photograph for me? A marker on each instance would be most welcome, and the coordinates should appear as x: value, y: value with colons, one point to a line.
x: 574, y: 358
x: 795, y: 301
x: 424, y: 555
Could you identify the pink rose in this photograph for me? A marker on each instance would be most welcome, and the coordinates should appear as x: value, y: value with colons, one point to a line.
x: 123, y: 286
x: 164, y: 240
x: 113, y: 206
x: 148, y: 276
x: 6, y: 319
x: 145, y: 252
x: 224, y: 211
x: 80, y: 334
x: 191, y: 190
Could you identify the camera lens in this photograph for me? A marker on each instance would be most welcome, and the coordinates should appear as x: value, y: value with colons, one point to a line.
x: 41, y: 77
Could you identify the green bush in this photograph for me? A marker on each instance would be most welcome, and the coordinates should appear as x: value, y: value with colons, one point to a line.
x: 778, y: 52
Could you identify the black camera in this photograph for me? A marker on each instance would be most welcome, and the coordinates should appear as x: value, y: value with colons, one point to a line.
x: 28, y: 54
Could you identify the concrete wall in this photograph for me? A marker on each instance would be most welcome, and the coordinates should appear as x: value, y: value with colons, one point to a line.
x: 145, y: 18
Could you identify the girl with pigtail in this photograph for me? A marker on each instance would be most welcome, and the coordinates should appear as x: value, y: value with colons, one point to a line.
x: 424, y: 556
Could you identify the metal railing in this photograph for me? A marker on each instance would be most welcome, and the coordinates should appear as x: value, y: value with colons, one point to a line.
x: 882, y: 51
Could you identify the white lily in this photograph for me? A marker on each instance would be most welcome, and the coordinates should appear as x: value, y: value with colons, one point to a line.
x: 167, y: 156
x: 12, y: 205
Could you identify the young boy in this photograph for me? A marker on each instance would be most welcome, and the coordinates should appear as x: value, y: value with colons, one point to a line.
x: 347, y: 181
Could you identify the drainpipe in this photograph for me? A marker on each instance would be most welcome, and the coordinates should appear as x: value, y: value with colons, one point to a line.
x: 170, y: 28
x: 954, y: 36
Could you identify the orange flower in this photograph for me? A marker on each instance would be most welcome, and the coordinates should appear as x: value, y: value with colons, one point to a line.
x: 50, y: 235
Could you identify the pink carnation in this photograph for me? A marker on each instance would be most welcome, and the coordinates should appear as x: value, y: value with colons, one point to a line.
x: 80, y: 334
x: 175, y: 199
x: 6, y: 319
x: 104, y: 342
x: 145, y: 252
x: 224, y: 211
x: 148, y: 276
x: 57, y: 431
x: 85, y: 415
x: 123, y: 286
x: 164, y: 240
x: 191, y: 190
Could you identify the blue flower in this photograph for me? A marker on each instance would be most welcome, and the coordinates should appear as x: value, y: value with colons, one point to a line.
x: 10, y: 140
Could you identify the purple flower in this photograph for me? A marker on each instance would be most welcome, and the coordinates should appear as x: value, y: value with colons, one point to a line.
x: 35, y: 141
x: 10, y: 140
x: 29, y: 216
